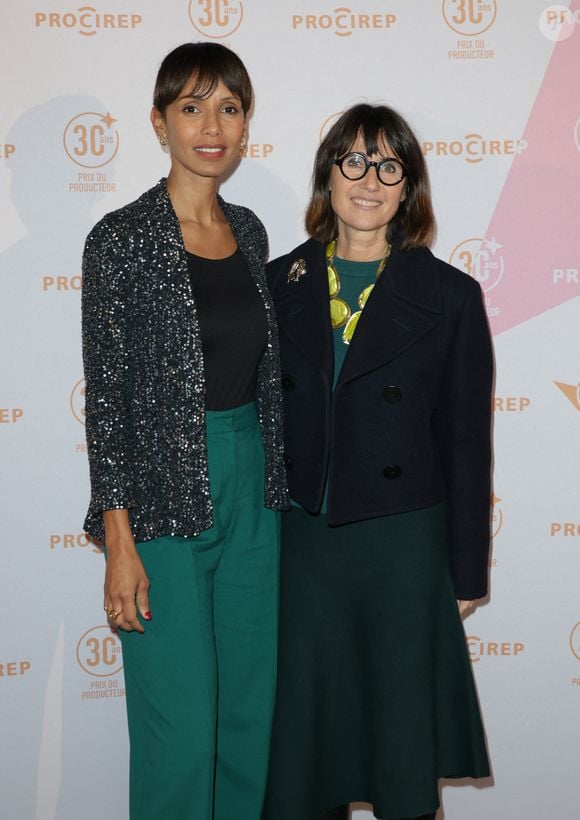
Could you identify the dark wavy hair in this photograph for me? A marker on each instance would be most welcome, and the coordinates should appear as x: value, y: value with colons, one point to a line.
x: 414, y: 222
x: 206, y: 64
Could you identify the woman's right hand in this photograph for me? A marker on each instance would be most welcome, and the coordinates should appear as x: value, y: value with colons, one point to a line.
x: 126, y: 582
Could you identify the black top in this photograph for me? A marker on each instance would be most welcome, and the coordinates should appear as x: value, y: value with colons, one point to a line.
x: 232, y: 323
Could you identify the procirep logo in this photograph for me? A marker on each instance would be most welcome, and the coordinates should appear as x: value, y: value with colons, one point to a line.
x: 473, y: 148
x: 479, y: 648
x: 87, y: 21
x: 571, y: 391
x: 343, y: 21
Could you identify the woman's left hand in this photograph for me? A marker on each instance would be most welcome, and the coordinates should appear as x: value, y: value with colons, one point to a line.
x: 466, y: 607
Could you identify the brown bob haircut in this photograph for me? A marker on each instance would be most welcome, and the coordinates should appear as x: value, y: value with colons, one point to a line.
x: 414, y: 222
x: 205, y: 64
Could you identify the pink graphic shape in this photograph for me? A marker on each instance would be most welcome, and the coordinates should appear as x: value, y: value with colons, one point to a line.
x: 537, y: 217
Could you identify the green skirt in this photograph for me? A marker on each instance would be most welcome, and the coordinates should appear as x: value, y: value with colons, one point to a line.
x: 376, y: 698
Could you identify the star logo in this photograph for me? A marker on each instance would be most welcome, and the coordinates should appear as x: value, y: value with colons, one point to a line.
x: 109, y: 120
x: 493, y: 245
x: 571, y: 391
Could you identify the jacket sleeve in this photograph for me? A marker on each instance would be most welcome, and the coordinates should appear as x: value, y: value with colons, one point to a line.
x: 462, y: 429
x: 107, y: 371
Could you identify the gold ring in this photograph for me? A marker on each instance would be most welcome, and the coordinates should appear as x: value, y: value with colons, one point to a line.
x: 113, y: 614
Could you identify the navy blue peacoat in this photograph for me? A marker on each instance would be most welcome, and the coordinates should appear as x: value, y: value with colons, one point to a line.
x: 408, y: 424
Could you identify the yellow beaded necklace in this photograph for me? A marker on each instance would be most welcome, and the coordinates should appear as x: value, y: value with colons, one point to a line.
x: 340, y: 312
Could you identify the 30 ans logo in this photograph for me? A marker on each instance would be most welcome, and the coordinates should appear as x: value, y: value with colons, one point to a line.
x: 481, y: 259
x: 216, y: 19
x: 571, y: 391
x: 496, y: 516
x: 90, y: 139
x: 469, y: 17
x: 328, y: 123
x: 99, y: 652
x: 99, y: 656
x: 575, y: 641
x: 77, y: 401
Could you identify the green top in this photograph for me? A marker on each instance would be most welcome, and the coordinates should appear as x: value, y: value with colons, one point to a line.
x: 354, y: 277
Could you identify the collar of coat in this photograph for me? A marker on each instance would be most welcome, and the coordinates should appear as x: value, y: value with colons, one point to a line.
x: 403, y: 307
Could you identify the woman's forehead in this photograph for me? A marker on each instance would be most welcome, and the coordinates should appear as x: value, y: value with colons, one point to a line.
x: 380, y: 145
x: 205, y: 86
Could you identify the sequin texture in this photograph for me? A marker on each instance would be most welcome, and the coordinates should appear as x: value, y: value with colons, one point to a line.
x: 145, y: 387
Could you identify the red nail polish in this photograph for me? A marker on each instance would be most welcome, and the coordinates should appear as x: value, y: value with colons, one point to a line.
x: 147, y: 615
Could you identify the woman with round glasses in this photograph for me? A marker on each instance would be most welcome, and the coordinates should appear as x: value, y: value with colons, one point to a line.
x: 387, y: 375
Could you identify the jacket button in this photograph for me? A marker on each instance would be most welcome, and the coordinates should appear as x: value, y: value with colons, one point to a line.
x: 287, y: 462
x: 288, y: 382
x: 392, y: 394
x: 392, y: 471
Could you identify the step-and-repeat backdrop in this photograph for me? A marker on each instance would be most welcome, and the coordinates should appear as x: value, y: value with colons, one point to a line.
x: 491, y: 88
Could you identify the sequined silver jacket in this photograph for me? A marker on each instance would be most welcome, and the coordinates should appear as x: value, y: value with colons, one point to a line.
x: 144, y: 400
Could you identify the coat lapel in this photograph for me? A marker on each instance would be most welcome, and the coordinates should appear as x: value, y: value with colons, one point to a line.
x: 302, y: 307
x: 403, y: 307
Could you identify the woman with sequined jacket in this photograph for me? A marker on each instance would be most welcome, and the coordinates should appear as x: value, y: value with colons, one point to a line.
x: 387, y: 373
x: 184, y: 434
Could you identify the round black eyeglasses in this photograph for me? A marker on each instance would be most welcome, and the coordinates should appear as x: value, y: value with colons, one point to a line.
x: 355, y: 166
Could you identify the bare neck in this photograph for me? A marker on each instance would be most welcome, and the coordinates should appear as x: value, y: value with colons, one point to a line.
x: 194, y: 199
x: 361, y: 246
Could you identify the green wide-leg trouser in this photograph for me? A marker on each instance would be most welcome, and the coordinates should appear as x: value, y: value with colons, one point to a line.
x: 200, y: 682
